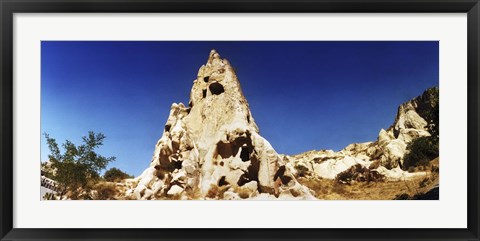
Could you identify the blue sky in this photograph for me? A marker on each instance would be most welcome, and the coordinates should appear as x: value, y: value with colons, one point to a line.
x: 303, y: 95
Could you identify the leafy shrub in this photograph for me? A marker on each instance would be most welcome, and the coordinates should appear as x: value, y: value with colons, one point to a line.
x: 424, y: 149
x: 114, y: 175
x: 78, y: 167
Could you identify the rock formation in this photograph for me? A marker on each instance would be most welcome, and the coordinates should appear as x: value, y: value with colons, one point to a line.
x: 384, y: 156
x: 212, y: 149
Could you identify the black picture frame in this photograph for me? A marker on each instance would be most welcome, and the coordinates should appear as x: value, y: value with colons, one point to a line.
x: 9, y: 7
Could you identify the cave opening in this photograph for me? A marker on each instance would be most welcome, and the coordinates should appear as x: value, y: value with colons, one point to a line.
x: 222, y: 182
x: 216, y: 88
x: 245, y: 154
x: 177, y: 164
x: 281, y: 174
x: 252, y: 172
x: 225, y: 150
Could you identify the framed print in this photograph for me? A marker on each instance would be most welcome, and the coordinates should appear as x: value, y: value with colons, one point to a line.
x: 265, y: 120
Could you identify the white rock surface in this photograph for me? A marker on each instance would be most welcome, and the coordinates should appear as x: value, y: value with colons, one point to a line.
x: 332, y: 167
x: 397, y: 174
x: 213, y: 147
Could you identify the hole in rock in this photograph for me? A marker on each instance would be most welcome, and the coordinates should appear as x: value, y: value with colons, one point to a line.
x: 243, y: 179
x: 280, y: 172
x: 224, y: 149
x: 167, y: 127
x: 159, y: 172
x: 204, y: 93
x: 252, y: 172
x: 190, y: 103
x: 206, y: 78
x: 248, y: 119
x: 243, y: 141
x: 229, y: 149
x: 245, y: 154
x: 285, y: 179
x: 216, y: 88
x: 177, y: 164
x: 175, y: 146
x: 221, y: 163
x: 163, y: 157
x: 176, y: 183
x: 174, y: 157
x: 222, y: 182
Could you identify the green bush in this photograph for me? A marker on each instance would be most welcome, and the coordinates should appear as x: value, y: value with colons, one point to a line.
x: 78, y: 166
x: 420, y: 152
x: 424, y: 149
x: 114, y: 175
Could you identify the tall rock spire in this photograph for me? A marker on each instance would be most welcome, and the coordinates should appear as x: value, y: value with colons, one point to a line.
x: 212, y: 149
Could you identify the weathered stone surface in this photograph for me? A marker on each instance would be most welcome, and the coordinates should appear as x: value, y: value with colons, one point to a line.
x: 332, y: 167
x: 213, y: 149
x: 397, y: 174
x: 175, y: 190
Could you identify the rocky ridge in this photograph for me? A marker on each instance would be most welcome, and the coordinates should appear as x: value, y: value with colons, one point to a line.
x: 383, y: 157
x: 212, y: 149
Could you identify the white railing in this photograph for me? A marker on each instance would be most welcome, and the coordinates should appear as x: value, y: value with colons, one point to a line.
x: 49, y: 184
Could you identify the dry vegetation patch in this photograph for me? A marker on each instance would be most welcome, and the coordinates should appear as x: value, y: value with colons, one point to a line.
x: 327, y: 189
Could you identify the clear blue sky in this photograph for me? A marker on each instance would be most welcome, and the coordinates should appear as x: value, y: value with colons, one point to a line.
x: 303, y: 95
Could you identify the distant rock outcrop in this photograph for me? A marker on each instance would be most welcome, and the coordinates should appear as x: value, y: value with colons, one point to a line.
x: 384, y: 156
x: 212, y: 149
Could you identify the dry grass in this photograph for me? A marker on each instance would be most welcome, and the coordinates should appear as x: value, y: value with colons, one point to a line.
x: 105, y: 191
x: 331, y: 190
x: 216, y: 192
x: 327, y: 189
